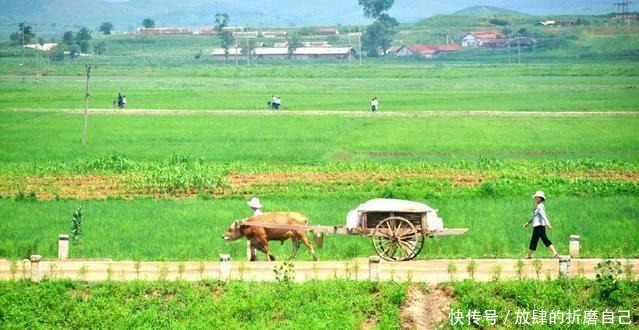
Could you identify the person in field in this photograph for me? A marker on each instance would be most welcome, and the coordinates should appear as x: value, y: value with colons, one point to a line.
x: 374, y: 104
x: 277, y: 102
x: 540, y: 221
x: 120, y: 105
x: 255, y: 205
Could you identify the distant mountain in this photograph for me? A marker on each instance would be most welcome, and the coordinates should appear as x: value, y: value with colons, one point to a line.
x: 127, y: 15
x: 486, y: 11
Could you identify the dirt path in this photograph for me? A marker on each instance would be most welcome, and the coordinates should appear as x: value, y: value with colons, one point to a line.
x: 424, y: 311
x: 343, y: 113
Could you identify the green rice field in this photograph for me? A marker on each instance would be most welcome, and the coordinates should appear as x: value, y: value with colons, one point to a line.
x: 469, y: 134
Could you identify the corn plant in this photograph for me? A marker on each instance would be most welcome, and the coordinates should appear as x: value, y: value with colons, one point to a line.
x: 520, y: 268
x: 76, y: 228
x: 471, y: 268
x: 537, y: 265
x: 495, y: 272
x: 451, y: 268
x: 628, y: 270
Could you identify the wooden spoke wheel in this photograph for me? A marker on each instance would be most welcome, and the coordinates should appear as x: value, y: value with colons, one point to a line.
x: 397, y: 239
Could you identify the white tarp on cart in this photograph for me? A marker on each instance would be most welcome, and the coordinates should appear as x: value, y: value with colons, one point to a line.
x: 353, y: 217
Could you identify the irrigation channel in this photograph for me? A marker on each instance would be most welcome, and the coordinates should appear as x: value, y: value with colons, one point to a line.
x: 429, y: 271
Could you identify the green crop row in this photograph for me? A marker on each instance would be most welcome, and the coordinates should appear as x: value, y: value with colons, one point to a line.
x: 575, y: 304
x: 478, y: 93
x: 180, y: 175
x: 117, y: 163
x: 319, y: 140
x: 202, y: 305
x: 192, y: 229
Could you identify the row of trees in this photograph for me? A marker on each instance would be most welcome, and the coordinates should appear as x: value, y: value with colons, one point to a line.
x: 376, y: 39
x: 73, y: 43
x: 227, y: 40
x: 107, y: 27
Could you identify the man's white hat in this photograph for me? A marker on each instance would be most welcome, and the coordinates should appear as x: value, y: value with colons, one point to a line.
x: 539, y: 193
x: 254, y: 203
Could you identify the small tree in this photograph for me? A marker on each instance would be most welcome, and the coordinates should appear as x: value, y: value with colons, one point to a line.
x: 57, y: 54
x: 148, y: 23
x: 226, y: 37
x: 248, y: 48
x: 23, y: 36
x: 377, y: 37
x: 499, y: 21
x: 106, y: 28
x: 76, y: 227
x: 100, y: 48
x: 74, y: 51
x: 68, y: 38
x: 294, y: 41
x: 83, y: 35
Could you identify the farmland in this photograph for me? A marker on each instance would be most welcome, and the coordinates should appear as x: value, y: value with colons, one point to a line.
x: 326, y: 304
x: 400, y: 87
x: 321, y: 165
x: 199, y: 168
x: 467, y: 134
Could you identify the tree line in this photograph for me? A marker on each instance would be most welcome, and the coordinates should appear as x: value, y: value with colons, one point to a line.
x: 376, y: 38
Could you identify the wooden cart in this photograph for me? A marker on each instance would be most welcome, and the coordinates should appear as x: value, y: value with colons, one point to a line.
x: 398, y: 228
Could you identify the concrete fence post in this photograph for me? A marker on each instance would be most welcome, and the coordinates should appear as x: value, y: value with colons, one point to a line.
x: 573, y: 247
x: 373, y: 268
x: 63, y: 247
x: 564, y: 266
x: 225, y: 267
x: 35, y: 267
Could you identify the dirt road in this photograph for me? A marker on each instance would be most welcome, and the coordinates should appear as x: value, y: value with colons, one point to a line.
x: 343, y: 113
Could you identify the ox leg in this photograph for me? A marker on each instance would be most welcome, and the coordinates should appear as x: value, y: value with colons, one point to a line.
x: 296, y: 247
x: 253, y: 256
x: 305, y: 241
x: 264, y: 248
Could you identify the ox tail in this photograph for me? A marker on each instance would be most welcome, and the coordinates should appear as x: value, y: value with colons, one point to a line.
x: 318, y: 237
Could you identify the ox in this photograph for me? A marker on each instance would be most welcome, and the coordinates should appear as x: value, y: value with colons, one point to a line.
x: 258, y: 236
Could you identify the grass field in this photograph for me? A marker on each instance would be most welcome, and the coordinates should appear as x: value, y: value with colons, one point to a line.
x: 203, y: 305
x: 312, y: 305
x: 193, y: 229
x: 588, y: 165
x: 316, y: 140
x: 166, y: 187
x: 415, y: 87
x: 145, y: 180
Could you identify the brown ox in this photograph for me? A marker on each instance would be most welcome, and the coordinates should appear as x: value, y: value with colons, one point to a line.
x: 260, y: 235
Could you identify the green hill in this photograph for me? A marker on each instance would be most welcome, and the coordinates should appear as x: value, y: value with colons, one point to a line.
x: 487, y: 11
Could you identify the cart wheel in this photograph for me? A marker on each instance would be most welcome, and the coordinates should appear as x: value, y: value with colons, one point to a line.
x: 397, y: 239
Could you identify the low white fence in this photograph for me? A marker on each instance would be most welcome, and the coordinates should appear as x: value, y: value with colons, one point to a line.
x: 431, y: 271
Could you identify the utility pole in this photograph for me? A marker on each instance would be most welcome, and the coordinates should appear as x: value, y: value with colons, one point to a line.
x: 360, y: 46
x: 519, y: 50
x: 237, y: 63
x: 86, y: 103
x: 35, y: 32
x: 248, y: 53
x: 22, y: 29
x: 350, y: 57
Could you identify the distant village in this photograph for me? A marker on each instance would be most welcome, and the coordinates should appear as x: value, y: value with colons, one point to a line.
x: 323, y: 49
x: 319, y: 49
